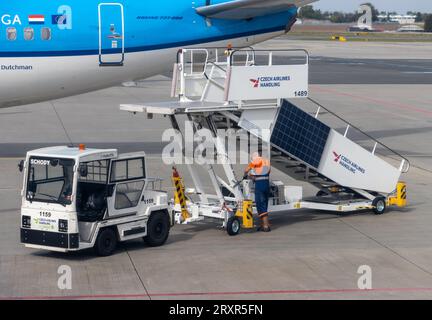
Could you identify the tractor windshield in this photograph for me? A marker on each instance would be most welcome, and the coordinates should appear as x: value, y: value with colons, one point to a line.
x: 50, y: 180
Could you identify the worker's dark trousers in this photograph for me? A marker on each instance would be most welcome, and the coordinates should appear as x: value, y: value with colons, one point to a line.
x: 262, y: 194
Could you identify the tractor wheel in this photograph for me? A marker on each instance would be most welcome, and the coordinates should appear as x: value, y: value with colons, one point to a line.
x: 158, y: 228
x: 106, y: 242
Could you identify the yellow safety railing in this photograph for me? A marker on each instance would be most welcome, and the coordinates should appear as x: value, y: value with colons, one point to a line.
x: 179, y: 193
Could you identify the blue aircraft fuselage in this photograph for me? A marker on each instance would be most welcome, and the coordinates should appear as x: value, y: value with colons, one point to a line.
x: 75, y: 46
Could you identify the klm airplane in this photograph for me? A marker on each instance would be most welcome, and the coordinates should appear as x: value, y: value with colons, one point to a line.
x: 56, y: 48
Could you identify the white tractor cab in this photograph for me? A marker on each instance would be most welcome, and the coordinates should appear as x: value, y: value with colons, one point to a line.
x: 75, y: 198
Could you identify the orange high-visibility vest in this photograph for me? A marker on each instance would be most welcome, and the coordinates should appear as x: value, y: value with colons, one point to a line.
x: 260, y: 167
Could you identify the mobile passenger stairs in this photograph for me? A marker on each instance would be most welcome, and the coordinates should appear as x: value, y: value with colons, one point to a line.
x: 249, y: 89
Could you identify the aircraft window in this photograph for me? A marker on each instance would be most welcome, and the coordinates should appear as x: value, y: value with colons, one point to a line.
x: 46, y: 34
x: 11, y: 34
x: 28, y: 34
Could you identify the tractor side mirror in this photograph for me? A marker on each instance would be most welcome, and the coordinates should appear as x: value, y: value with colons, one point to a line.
x: 83, y: 170
x: 21, y: 166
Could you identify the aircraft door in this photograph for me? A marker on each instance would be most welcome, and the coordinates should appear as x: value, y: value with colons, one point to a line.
x: 111, y: 34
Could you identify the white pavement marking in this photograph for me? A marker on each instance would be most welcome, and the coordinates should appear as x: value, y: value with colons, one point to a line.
x: 417, y: 72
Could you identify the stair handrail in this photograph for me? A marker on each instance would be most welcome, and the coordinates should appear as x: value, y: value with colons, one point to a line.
x: 270, y: 53
x: 183, y: 72
x: 405, y: 162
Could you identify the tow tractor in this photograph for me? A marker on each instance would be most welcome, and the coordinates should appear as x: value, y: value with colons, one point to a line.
x: 75, y: 198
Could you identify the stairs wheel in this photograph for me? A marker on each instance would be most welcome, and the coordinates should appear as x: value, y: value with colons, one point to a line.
x: 379, y: 205
x: 233, y: 226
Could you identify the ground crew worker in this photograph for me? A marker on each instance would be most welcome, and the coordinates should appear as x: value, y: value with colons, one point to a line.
x: 259, y: 170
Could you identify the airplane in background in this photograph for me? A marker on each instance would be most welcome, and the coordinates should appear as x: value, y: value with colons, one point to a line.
x: 51, y: 49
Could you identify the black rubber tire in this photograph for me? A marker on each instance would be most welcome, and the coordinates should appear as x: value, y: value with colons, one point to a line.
x: 106, y: 242
x: 233, y: 226
x: 380, y: 205
x: 158, y: 228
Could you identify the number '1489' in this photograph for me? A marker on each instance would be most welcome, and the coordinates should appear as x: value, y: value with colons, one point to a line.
x: 301, y: 93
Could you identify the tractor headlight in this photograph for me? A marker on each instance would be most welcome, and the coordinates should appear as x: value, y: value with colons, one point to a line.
x: 26, y: 221
x: 63, y: 225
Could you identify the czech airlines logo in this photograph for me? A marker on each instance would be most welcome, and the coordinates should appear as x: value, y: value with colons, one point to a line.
x: 255, y: 82
x: 269, y: 82
x: 348, y: 164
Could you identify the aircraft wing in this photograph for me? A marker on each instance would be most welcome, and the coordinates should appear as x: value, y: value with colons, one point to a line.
x: 246, y: 9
